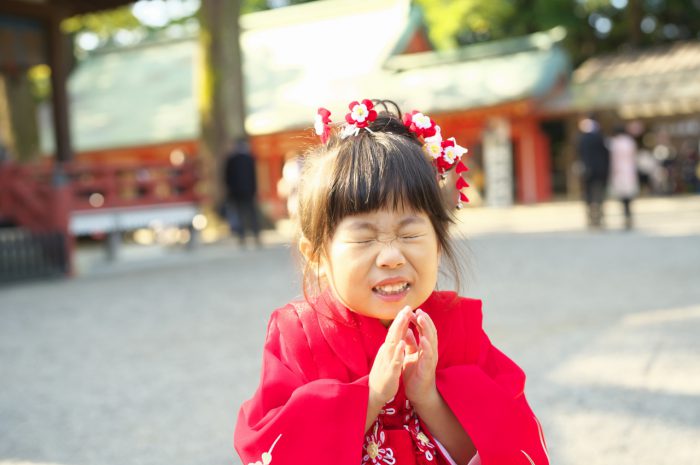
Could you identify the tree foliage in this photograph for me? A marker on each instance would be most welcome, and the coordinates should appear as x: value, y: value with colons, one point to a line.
x: 593, y: 26
x: 102, y: 23
x: 453, y: 22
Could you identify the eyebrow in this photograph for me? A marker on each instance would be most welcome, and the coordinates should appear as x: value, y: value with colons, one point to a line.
x: 411, y: 220
x: 359, y: 225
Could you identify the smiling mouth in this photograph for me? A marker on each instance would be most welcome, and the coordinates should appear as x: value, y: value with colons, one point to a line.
x: 391, y: 289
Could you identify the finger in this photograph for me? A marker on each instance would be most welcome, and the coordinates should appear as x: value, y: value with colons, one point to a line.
x: 428, y: 353
x: 426, y: 347
x: 397, y: 359
x: 398, y: 326
x: 427, y: 326
x: 430, y: 335
x: 411, y: 343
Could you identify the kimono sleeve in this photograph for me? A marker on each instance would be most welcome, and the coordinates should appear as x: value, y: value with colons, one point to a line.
x: 488, y: 399
x: 294, y: 417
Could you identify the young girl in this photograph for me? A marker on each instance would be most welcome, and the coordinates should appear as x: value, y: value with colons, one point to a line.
x: 375, y: 366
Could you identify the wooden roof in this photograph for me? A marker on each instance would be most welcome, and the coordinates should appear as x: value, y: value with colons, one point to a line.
x: 661, y: 81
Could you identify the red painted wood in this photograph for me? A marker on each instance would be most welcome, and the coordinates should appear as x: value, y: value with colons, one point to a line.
x: 28, y: 197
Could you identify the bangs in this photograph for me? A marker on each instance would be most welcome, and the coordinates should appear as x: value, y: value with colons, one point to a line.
x: 383, y: 171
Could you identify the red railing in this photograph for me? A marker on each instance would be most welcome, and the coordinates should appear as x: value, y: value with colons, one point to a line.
x: 39, y: 197
x: 28, y: 192
x: 142, y: 184
x: 26, y: 199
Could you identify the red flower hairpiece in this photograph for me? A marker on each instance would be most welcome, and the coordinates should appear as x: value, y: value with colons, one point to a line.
x: 323, y: 119
x: 445, y: 153
x: 420, y: 124
x: 361, y: 114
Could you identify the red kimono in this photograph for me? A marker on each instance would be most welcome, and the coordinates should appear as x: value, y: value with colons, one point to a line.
x: 311, y: 405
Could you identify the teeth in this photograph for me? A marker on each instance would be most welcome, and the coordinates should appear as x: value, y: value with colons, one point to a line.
x: 392, y: 288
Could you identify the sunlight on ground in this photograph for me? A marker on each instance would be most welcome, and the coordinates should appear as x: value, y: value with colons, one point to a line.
x: 637, y: 354
x: 639, y: 372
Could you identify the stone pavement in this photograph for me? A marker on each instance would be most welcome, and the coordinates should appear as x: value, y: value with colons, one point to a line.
x: 146, y: 361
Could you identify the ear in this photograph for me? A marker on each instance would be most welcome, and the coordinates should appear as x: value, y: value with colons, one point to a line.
x: 306, y: 249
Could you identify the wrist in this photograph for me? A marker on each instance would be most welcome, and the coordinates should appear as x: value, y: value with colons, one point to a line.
x: 374, y: 406
x: 426, y: 401
x: 375, y: 401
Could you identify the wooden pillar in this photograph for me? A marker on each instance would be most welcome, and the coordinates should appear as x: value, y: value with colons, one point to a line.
x: 533, y: 164
x: 544, y: 167
x: 58, y: 62
x: 527, y: 176
x: 573, y: 174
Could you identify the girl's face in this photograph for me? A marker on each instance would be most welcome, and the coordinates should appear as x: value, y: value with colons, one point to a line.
x: 377, y: 263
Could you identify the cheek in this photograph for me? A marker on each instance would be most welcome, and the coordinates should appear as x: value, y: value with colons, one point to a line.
x: 429, y: 259
x: 343, y: 262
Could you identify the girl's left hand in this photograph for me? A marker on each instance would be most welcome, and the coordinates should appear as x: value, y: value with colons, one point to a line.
x: 420, y: 361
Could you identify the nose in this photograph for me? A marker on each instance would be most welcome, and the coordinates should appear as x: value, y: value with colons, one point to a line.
x: 390, y: 256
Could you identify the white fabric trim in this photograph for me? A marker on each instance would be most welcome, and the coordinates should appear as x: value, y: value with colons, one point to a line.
x: 476, y: 460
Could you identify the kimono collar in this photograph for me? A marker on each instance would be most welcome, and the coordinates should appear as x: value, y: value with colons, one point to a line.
x: 330, y: 307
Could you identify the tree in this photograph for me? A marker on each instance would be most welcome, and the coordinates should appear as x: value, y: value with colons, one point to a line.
x: 452, y: 23
x: 222, y: 106
x: 594, y: 26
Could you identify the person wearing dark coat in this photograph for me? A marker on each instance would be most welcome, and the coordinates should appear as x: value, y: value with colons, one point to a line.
x: 241, y: 189
x: 595, y: 162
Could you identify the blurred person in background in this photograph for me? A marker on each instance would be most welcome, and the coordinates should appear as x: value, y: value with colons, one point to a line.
x: 649, y: 170
x: 697, y: 177
x: 241, y: 189
x: 288, y: 185
x: 594, y: 160
x: 688, y: 168
x: 624, y: 181
x: 665, y: 153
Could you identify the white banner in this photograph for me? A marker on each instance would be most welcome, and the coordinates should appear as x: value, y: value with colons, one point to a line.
x: 498, y: 163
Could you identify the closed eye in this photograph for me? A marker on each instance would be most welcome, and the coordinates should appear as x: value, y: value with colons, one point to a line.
x: 367, y: 241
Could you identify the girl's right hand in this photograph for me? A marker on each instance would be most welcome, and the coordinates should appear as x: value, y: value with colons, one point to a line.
x: 385, y: 376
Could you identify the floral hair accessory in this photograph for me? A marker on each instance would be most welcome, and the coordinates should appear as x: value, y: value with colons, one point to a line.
x: 323, y: 120
x: 420, y: 124
x: 361, y: 114
x: 445, y: 153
